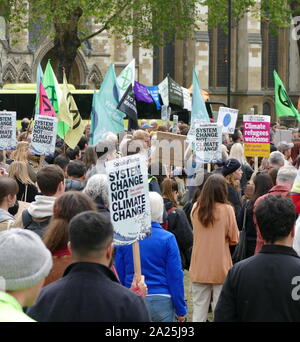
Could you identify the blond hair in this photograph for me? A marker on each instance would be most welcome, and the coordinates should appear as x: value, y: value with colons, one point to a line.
x: 234, y: 183
x: 21, y: 152
x: 237, y: 152
x: 19, y: 171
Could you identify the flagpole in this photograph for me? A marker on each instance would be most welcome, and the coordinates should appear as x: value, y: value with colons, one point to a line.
x: 229, y: 54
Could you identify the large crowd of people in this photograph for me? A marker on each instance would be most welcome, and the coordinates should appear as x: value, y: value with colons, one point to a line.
x: 58, y: 262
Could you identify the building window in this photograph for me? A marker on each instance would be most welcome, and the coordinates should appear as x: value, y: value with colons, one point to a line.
x: 218, y: 58
x: 222, y: 58
x: 269, y: 56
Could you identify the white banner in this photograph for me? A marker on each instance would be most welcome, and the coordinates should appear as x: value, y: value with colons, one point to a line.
x: 126, y: 77
x: 187, y: 101
x: 164, y: 91
x: 8, y: 139
x: 208, y: 141
x: 44, y: 135
x: 227, y: 118
x: 129, y: 199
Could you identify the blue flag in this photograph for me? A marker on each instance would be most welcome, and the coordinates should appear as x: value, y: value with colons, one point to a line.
x: 154, y: 92
x: 199, y: 111
x: 39, y: 79
x: 105, y: 116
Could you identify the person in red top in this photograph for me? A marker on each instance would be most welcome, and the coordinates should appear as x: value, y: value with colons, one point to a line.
x: 284, y: 182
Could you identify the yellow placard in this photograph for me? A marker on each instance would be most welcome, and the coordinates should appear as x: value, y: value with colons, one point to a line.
x: 257, y: 150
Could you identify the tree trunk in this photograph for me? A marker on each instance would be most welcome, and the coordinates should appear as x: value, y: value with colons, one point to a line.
x: 66, y: 44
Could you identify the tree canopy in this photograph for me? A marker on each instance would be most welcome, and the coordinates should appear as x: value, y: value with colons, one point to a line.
x: 147, y: 23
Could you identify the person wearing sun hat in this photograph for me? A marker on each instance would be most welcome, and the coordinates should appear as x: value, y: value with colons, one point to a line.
x: 25, y: 262
x: 232, y: 171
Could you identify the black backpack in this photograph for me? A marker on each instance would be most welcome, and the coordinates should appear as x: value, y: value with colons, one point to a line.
x: 37, y: 226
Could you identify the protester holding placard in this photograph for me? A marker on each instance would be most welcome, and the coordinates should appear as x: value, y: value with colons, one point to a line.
x: 161, y: 266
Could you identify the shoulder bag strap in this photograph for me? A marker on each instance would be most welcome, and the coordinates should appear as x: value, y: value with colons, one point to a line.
x: 245, y: 215
x: 26, y: 189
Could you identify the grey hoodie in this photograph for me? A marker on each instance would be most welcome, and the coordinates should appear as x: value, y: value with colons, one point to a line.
x: 5, y: 215
x: 74, y: 184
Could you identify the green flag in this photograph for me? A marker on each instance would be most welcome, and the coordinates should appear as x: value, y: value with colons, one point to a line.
x: 283, y: 104
x: 55, y: 95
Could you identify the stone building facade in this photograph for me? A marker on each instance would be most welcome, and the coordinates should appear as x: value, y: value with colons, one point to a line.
x: 255, y: 54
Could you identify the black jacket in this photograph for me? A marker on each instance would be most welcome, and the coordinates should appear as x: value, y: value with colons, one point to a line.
x: 26, y: 196
x: 262, y: 288
x: 234, y: 198
x: 88, y: 292
x: 179, y: 225
x: 247, y: 173
x: 250, y: 228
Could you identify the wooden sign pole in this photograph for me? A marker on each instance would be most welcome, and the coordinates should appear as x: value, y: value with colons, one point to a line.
x: 255, y: 164
x: 137, y: 260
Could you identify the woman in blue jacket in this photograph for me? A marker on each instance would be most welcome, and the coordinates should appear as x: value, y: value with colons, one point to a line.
x: 161, y: 266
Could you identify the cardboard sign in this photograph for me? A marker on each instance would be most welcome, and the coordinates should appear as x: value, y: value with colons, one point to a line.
x: 8, y: 139
x: 283, y: 135
x: 227, y: 118
x: 129, y: 199
x: 208, y: 142
x: 44, y: 135
x: 169, y: 149
x: 257, y: 135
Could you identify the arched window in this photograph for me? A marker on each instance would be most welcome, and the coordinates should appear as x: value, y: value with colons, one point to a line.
x: 267, y: 108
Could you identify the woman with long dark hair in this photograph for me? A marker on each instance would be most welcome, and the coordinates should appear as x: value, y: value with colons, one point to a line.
x: 177, y: 222
x: 56, y: 237
x: 215, y: 229
x: 262, y: 184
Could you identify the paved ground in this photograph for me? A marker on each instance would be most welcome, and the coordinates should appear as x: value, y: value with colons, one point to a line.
x: 189, y: 299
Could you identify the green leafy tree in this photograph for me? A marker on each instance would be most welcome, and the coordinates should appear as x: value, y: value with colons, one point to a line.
x: 146, y: 22
x: 278, y: 13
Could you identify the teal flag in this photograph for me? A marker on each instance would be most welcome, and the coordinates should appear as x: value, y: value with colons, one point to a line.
x: 199, y: 111
x: 105, y: 116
